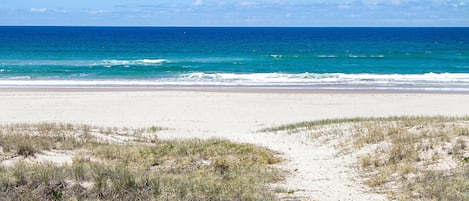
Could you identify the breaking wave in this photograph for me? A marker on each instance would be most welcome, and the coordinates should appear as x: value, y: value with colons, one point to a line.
x: 425, y: 82
x: 105, y: 63
x: 126, y: 63
x: 328, y: 78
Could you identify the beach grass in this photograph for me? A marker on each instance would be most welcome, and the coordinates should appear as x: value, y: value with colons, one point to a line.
x: 407, y: 158
x: 115, y: 164
x: 295, y: 127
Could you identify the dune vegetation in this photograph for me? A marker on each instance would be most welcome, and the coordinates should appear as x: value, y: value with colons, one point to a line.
x: 129, y: 164
x: 407, y: 158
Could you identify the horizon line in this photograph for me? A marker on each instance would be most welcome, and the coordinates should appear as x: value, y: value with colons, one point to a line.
x: 215, y: 26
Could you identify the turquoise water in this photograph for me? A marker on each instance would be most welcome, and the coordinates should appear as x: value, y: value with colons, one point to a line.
x: 322, y: 58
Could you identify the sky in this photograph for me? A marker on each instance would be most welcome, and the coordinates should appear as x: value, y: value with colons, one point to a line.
x: 308, y: 13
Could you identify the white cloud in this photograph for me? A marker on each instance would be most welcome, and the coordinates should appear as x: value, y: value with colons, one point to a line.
x: 95, y: 12
x: 247, y: 3
x: 38, y: 10
x: 457, y: 5
x: 43, y: 10
x: 59, y: 10
x: 396, y: 2
x: 197, y: 3
x: 344, y: 5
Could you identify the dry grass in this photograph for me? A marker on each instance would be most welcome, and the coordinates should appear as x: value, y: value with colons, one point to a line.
x: 439, y: 185
x: 408, y: 158
x: 29, y: 138
x: 143, y: 168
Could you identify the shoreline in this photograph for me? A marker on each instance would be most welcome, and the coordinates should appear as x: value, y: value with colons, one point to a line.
x: 228, y: 90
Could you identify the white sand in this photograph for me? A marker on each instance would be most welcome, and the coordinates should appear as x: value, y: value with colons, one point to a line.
x: 54, y: 157
x: 237, y: 116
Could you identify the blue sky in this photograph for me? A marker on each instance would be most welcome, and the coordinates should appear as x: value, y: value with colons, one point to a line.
x: 235, y: 13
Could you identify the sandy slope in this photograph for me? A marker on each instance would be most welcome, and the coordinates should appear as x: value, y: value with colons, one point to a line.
x: 317, y: 174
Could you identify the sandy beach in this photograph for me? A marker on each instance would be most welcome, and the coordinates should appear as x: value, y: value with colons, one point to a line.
x: 237, y: 115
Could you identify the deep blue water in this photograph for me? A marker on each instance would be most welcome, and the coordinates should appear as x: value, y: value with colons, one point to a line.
x: 306, y: 57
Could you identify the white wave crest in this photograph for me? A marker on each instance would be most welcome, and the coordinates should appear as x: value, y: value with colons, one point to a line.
x: 107, y: 63
x: 276, y: 56
x: 20, y: 78
x: 365, y: 56
x: 424, y: 82
x: 327, y: 56
x: 127, y: 63
x: 328, y: 78
x: 153, y: 61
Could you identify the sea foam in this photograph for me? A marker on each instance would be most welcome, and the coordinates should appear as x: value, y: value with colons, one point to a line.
x: 423, y: 82
x: 329, y: 77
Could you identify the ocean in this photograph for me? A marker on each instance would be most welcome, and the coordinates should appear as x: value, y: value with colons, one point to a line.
x: 406, y: 59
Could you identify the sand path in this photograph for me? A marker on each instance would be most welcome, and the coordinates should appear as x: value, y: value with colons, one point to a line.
x: 316, y: 173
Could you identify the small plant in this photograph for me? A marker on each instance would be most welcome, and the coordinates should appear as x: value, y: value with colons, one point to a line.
x: 155, y: 129
x: 366, y: 161
x: 26, y: 150
x: 466, y: 159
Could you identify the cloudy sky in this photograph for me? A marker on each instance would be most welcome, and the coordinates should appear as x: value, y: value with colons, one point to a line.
x: 235, y: 13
